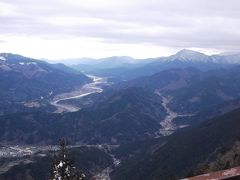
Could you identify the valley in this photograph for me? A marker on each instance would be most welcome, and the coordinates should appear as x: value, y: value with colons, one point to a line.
x: 14, y: 155
x: 119, y: 90
x: 105, y: 173
x: 167, y: 125
x: 87, y: 89
x: 115, y: 129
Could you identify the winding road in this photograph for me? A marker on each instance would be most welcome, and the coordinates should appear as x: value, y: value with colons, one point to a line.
x: 87, y: 89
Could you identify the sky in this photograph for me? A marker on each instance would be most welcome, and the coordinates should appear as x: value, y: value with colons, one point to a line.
x: 61, y: 29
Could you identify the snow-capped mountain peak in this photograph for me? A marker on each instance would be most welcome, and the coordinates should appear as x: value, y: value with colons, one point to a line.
x: 189, y: 55
x: 188, y: 52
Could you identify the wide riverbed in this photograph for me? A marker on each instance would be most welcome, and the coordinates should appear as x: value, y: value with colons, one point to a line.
x: 87, y: 89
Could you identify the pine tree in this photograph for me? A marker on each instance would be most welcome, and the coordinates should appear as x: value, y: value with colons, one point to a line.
x: 63, y: 168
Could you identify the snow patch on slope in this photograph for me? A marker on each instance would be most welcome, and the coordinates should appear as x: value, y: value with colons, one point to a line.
x: 3, y: 58
x: 191, y: 56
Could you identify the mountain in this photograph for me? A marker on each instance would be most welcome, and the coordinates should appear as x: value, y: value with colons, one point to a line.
x: 214, y: 88
x: 108, y: 64
x: 182, y: 59
x: 233, y: 58
x: 123, y: 116
x: 74, y: 61
x: 176, y: 156
x: 226, y: 158
x: 190, y: 89
x: 186, y: 55
x: 128, y: 117
x: 132, y: 110
x: 194, y: 96
x: 25, y: 80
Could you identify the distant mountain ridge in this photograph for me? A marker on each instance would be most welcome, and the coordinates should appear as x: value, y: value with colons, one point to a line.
x: 182, y: 55
x: 88, y: 60
x: 195, y: 56
x: 125, y: 68
x: 190, y: 88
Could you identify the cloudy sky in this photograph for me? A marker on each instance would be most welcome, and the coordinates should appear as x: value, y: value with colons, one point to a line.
x: 58, y: 29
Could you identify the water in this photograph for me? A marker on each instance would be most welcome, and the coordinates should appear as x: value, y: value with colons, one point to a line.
x: 87, y: 89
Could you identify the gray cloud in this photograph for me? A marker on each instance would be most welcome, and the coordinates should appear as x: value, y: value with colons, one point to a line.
x: 182, y: 24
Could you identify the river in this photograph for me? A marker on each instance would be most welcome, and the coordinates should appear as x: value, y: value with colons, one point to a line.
x: 87, y: 89
x: 105, y: 173
x: 167, y: 126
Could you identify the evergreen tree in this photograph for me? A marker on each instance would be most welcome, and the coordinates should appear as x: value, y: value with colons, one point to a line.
x: 63, y: 168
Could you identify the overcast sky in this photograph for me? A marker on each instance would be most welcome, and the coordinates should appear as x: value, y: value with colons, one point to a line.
x: 58, y: 29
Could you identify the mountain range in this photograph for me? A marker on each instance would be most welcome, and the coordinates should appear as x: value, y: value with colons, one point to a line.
x: 128, y: 68
x: 165, y: 116
x: 26, y: 82
x: 175, y: 156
